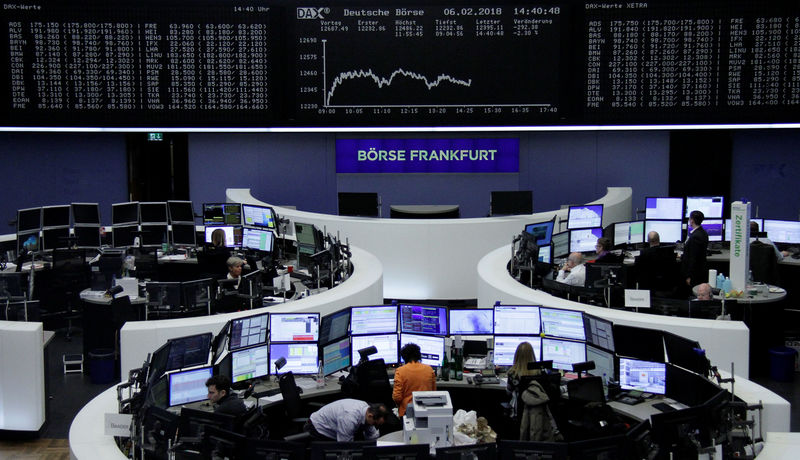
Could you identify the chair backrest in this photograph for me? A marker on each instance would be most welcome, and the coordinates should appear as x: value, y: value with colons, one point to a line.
x: 659, y: 271
x: 764, y: 263
x: 291, y: 397
x: 122, y: 311
x: 586, y: 390
x: 373, y: 382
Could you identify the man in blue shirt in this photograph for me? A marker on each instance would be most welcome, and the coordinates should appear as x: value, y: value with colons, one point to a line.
x: 342, y: 420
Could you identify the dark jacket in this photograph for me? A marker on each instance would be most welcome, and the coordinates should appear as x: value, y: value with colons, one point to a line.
x: 536, y: 423
x: 230, y: 404
x: 693, y: 261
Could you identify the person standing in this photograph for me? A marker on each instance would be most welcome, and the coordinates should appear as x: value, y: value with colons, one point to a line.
x: 410, y: 377
x: 693, y: 262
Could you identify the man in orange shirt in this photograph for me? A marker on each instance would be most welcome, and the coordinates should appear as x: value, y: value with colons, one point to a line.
x: 410, y: 377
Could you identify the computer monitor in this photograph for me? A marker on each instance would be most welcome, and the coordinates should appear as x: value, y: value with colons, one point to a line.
x: 487, y: 451
x: 189, y: 351
x: 518, y: 450
x: 377, y: 319
x: 586, y: 390
x: 782, y: 231
x: 308, y: 237
x: 669, y: 231
x: 506, y: 345
x: 336, y: 356
x: 586, y: 216
x: 563, y: 353
x: 258, y: 216
x: 153, y: 212
x: 294, y: 327
x: 729, y: 228
x: 86, y: 213
x: 663, y: 208
x: 637, y: 342
x: 647, y: 376
x: 473, y: 321
x: 164, y: 294
x: 560, y: 243
x: 87, y: 237
x: 637, y: 232
x: 681, y: 433
x: 248, y: 331
x: 603, y: 362
x: 339, y: 450
x: 714, y: 229
x: 197, y: 293
x: 124, y: 236
x: 29, y: 220
x: 222, y: 214
x: 545, y: 254
x: 567, y: 324
x: 55, y: 216
x: 54, y: 238
x: 301, y: 358
x: 542, y: 231
x: 385, y: 343
x: 125, y: 213
x: 257, y: 239
x: 188, y: 386
x: 599, y: 331
x: 158, y: 392
x: 517, y: 319
x: 181, y: 212
x: 432, y: 347
x: 511, y: 202
x: 685, y: 353
x: 29, y: 241
x: 183, y: 235
x: 11, y: 282
x: 233, y: 235
x: 334, y: 326
x: 154, y: 235
x: 585, y: 239
x: 423, y: 319
x: 364, y: 204
x: 249, y: 363
x: 629, y: 233
x: 712, y: 207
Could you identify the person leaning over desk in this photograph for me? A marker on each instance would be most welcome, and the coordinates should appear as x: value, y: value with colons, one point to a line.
x: 345, y: 419
x: 410, y: 377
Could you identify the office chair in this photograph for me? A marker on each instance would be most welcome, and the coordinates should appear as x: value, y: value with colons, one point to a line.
x: 373, y: 383
x: 296, y: 410
x: 70, y: 275
x: 764, y: 263
x: 121, y: 312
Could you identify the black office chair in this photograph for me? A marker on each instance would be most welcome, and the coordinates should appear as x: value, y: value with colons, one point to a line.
x: 121, y: 312
x: 70, y: 275
x: 764, y: 263
x: 296, y: 410
x: 373, y: 383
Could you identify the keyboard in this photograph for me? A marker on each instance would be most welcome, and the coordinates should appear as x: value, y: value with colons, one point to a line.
x: 664, y: 407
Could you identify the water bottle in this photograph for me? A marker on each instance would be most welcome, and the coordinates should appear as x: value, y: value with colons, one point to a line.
x: 728, y: 285
x: 458, y: 366
x: 445, y: 369
x: 320, y: 377
x: 720, y: 281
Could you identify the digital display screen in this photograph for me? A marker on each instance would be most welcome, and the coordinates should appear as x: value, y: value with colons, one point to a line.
x: 505, y: 346
x: 301, y: 358
x: 669, y: 231
x: 385, y: 343
x: 477, y: 321
x: 124, y: 235
x: 378, y: 319
x: 249, y: 331
x: 259, y: 240
x: 249, y: 363
x: 222, y: 214
x: 712, y: 207
x: 334, y: 326
x: 542, y: 231
x: 233, y: 235
x: 516, y: 319
x: 53, y: 238
x: 544, y: 254
x: 599, y: 332
x: 87, y: 237
x: 663, y: 208
x: 188, y: 386
x: 29, y: 219
x: 336, y: 356
x: 567, y: 324
x: 154, y: 235
x: 647, y: 376
x: 714, y: 229
x: 584, y: 240
x: 294, y: 327
x: 563, y: 353
x: 629, y: 232
x: 258, y: 216
x: 181, y: 211
x: 423, y: 319
x: 153, y: 213
x: 432, y: 348
x: 55, y: 216
x: 183, y: 235
x: 86, y: 213
x: 588, y: 216
x: 729, y: 227
x: 560, y: 243
x: 603, y: 363
x: 782, y: 231
x: 125, y: 213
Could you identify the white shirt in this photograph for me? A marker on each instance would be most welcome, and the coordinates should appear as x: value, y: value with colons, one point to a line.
x: 768, y: 241
x: 575, y: 277
x: 342, y: 419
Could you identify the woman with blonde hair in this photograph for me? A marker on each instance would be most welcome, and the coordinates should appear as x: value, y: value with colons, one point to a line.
x: 528, y: 399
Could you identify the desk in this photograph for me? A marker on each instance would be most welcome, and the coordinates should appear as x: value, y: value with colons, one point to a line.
x: 424, y: 211
x: 766, y: 294
x: 22, y: 380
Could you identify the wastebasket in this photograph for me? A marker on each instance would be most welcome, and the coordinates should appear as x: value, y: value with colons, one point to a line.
x: 101, y: 365
x: 781, y: 363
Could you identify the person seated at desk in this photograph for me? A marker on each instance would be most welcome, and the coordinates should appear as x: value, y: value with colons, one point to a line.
x: 528, y: 399
x: 604, y: 254
x: 344, y: 419
x: 703, y: 291
x: 656, y: 266
x: 573, y: 272
x: 755, y: 231
x: 218, y: 239
x: 410, y: 377
x: 219, y: 394
x: 235, y: 265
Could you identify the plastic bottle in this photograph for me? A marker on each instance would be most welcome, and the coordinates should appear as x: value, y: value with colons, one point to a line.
x: 445, y: 368
x: 320, y: 377
x: 720, y: 281
x: 728, y: 285
x: 458, y: 366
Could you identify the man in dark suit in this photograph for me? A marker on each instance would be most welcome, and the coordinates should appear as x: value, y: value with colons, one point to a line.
x: 693, y: 261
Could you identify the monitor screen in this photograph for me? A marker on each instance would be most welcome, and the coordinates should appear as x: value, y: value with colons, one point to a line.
x: 516, y: 319
x: 378, y: 319
x: 188, y: 351
x: 647, y: 376
x: 587, y: 216
x: 163, y: 293
x: 294, y: 327
x: 301, y: 358
x: 385, y: 343
x: 53, y: 238
x: 12, y: 283
x: 505, y: 346
x: 29, y: 219
x: 637, y: 232
x: 188, y: 386
x: 259, y: 240
x: 222, y: 214
x: 567, y: 324
x: 603, y: 363
x: 729, y: 227
x: 712, y: 207
x: 431, y: 347
x: 153, y: 212
x: 474, y: 321
x: 248, y: 331
x: 305, y: 234
x: 663, y: 208
x: 685, y: 353
x: 628, y: 232
x: 29, y: 241
x: 86, y: 213
x: 183, y: 235
x: 336, y: 356
x: 258, y: 216
x: 334, y: 326
x: 511, y: 202
x: 714, y: 229
x: 544, y: 254
x: 599, y: 332
x: 197, y: 293
x: 560, y: 243
x: 782, y: 231
x: 233, y: 235
x: 563, y: 353
x: 423, y: 319
x: 124, y: 236
x: 638, y: 342
x: 249, y: 363
x: 669, y: 231
x: 542, y: 231
x: 181, y: 211
x: 154, y: 235
x: 55, y: 216
x: 125, y: 213
x: 584, y: 240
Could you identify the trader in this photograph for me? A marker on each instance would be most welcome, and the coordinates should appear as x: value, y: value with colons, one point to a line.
x: 219, y: 393
x: 235, y: 265
x: 573, y: 272
x: 344, y: 419
x: 412, y: 376
x: 703, y: 291
x: 693, y: 261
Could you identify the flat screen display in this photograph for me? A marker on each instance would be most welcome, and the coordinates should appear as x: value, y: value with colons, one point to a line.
x: 645, y: 376
x: 431, y: 347
x: 603, y: 362
x: 663, y: 208
x: 222, y: 214
x: 301, y: 358
x: 517, y: 319
x: 782, y: 231
x: 544, y: 254
x: 423, y: 319
x: 629, y: 232
x: 258, y: 216
x: 248, y: 331
x: 188, y: 386
x: 87, y: 237
x: 181, y: 211
x: 86, y: 213
x: 587, y: 216
x: 259, y: 240
x: 560, y: 243
x: 729, y: 228
x: 385, y: 343
x: 599, y: 332
x: 55, y: 216
x: 336, y: 356
x: 183, y: 235
x: 669, y: 231
x: 378, y: 319
x: 249, y: 363
x: 294, y: 327
x: 123, y: 236
x: 233, y: 235
x: 29, y: 241
x: 584, y: 240
x: 125, y: 213
x: 334, y: 326
x: 712, y: 207
x: 714, y: 229
x: 154, y: 234
x: 53, y: 238
x: 29, y: 219
x: 505, y: 346
x: 567, y: 324
x: 153, y: 212
x: 542, y: 231
x: 563, y: 353
x: 477, y: 321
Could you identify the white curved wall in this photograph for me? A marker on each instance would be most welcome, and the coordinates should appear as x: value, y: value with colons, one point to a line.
x: 435, y: 258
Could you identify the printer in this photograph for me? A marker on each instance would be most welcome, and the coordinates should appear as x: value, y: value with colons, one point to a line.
x: 429, y: 419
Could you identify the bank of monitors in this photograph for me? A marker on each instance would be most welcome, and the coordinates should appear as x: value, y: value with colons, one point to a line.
x: 222, y: 214
x: 647, y: 376
x: 599, y: 332
x: 180, y: 212
x: 334, y: 326
x: 566, y: 324
x: 85, y: 213
x: 669, y: 231
x: 249, y: 363
x: 516, y: 319
x: 258, y: 216
x: 377, y: 319
x: 663, y: 208
x: 55, y: 216
x: 125, y: 213
x: 29, y: 220
x: 423, y: 319
x: 712, y: 207
x: 153, y: 212
x: 183, y: 235
x: 431, y: 347
x: 560, y: 244
x: 301, y: 358
x: 233, y: 235
x: 629, y: 233
x: 603, y: 362
x: 385, y: 343
x: 782, y: 231
x: 586, y: 216
x: 188, y: 386
x: 542, y: 231
x: 563, y: 353
x: 714, y: 228
x: 585, y: 239
x: 729, y: 228
x: 248, y: 331
x: 257, y: 239
x: 474, y: 321
x: 506, y: 345
x: 294, y: 327
x: 336, y: 356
